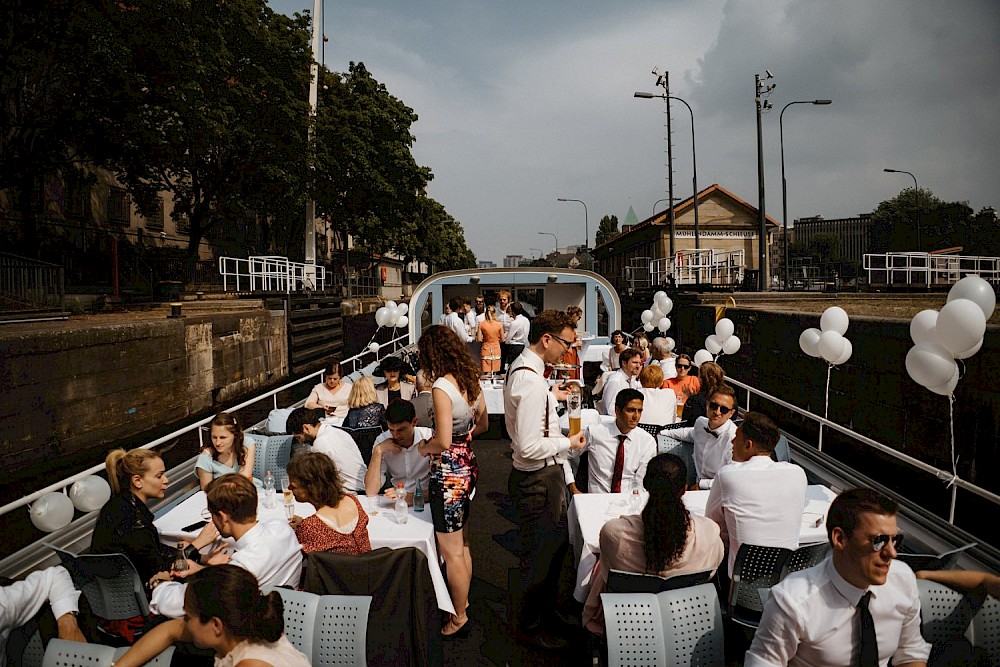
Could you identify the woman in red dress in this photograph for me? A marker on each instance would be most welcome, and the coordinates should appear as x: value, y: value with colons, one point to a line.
x: 340, y: 524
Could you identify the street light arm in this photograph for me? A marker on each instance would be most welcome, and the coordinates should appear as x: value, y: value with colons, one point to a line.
x: 586, y: 220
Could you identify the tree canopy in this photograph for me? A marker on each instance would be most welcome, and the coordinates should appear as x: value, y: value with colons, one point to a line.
x: 607, y: 229
x: 896, y: 221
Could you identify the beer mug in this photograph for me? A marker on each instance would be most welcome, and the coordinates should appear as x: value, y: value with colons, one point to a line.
x: 574, y: 408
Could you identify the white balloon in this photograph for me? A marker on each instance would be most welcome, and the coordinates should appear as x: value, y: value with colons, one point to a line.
x: 965, y: 354
x: 670, y: 344
x: 732, y: 345
x: 960, y: 325
x: 922, y: 326
x: 90, y: 493
x: 834, y: 319
x: 846, y: 354
x: 660, y: 299
x: 373, y: 346
x: 978, y: 291
x: 647, y: 327
x: 402, y: 321
x: 51, y: 512
x: 701, y: 356
x: 831, y: 345
x: 663, y: 324
x: 381, y: 316
x: 809, y: 341
x: 948, y: 388
x: 712, y: 344
x: 402, y: 309
x: 647, y: 316
x: 724, y: 329
x: 391, y: 305
x: 667, y: 306
x: 657, y: 314
x: 930, y: 365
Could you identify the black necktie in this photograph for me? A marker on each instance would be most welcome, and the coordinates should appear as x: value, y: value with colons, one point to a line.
x: 711, y: 432
x: 868, y: 648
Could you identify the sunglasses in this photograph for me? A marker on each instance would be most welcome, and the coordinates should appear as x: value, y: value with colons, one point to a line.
x: 723, y: 410
x: 683, y: 367
x: 879, y: 542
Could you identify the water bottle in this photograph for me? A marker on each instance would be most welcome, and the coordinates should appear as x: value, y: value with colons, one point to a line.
x: 268, y: 490
x: 402, y: 513
x: 418, y: 499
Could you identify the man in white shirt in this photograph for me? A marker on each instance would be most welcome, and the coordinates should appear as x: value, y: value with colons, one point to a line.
x: 395, y: 453
x: 664, y: 357
x: 23, y: 600
x: 625, y: 377
x: 308, y: 428
x: 619, y: 452
x: 754, y: 499
x: 712, y: 436
x: 268, y: 550
x: 860, y: 606
x: 476, y: 315
x: 537, y: 486
x: 455, y: 320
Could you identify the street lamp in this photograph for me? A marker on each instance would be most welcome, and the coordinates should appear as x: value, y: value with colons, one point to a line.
x: 694, y: 155
x: 586, y: 223
x: 554, y: 237
x: 664, y: 80
x: 784, y: 188
x: 658, y: 201
x: 761, y: 91
x: 916, y: 200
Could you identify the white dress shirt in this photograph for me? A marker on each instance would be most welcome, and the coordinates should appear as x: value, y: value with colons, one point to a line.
x: 407, y: 466
x: 454, y: 322
x: 472, y: 321
x: 344, y: 453
x: 810, y: 620
x: 517, y: 332
x: 528, y: 408
x: 712, y: 449
x: 504, y: 319
x: 269, y: 551
x: 615, y: 383
x: 760, y: 502
x: 669, y: 367
x: 602, y: 443
x: 659, y: 406
x: 20, y: 601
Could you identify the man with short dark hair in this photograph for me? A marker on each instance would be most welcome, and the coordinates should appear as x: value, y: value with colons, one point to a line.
x: 269, y: 550
x: 395, y: 453
x: 455, y: 320
x: 860, y: 606
x: 754, y: 499
x: 627, y: 376
x: 308, y: 427
x: 712, y: 436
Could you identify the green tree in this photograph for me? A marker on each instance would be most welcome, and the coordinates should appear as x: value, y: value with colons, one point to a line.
x: 607, y: 229
x: 439, y: 239
x: 941, y: 224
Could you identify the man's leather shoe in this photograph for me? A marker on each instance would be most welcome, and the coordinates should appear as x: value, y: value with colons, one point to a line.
x: 540, y: 638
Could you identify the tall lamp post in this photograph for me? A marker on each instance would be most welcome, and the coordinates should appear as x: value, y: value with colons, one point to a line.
x: 761, y: 91
x: 916, y: 200
x: 586, y: 223
x: 554, y: 237
x: 658, y: 201
x: 784, y: 187
x: 664, y: 80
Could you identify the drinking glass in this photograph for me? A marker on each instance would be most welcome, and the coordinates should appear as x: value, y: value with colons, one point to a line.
x: 574, y: 401
x: 289, y: 511
x: 180, y: 560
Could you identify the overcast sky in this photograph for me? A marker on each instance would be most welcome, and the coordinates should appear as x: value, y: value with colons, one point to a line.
x: 521, y: 103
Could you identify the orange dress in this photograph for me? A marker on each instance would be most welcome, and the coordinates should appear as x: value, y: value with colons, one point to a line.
x: 490, y: 330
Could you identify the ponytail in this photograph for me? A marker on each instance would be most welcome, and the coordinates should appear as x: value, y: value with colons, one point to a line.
x: 231, y: 594
x: 121, y: 465
x: 270, y: 620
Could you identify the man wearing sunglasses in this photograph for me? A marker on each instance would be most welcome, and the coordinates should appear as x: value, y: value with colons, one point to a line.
x: 858, y: 607
x: 754, y: 499
x: 712, y: 436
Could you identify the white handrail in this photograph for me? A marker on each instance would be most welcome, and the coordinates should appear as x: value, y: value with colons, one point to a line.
x: 270, y: 273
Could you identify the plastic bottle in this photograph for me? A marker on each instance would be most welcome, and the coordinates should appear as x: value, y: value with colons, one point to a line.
x: 268, y: 490
x: 402, y: 512
x: 418, y: 499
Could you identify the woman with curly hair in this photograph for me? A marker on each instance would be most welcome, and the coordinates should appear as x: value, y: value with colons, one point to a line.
x: 340, y: 524
x: 459, y: 414
x: 227, y: 453
x: 664, y: 540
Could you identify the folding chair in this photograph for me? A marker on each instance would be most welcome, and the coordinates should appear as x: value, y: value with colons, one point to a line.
x: 24, y: 645
x: 634, y: 629
x: 341, y: 630
x: 986, y: 628
x: 272, y: 453
x: 692, y: 626
x: 756, y: 568
x: 109, y: 582
x: 652, y: 429
x: 944, y: 612
x: 805, y: 557
x: 631, y: 582
x: 300, y: 616
x: 62, y: 653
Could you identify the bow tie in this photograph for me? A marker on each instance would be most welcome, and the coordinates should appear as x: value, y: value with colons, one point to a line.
x: 711, y: 432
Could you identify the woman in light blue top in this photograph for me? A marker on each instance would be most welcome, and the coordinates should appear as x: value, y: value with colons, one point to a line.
x: 227, y: 453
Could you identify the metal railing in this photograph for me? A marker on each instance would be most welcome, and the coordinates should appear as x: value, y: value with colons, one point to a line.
x: 706, y: 266
x: 921, y: 269
x: 357, y: 363
x: 953, y: 480
x: 28, y: 284
x: 270, y: 273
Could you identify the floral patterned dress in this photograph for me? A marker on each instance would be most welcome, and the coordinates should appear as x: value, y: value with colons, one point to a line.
x: 454, y: 471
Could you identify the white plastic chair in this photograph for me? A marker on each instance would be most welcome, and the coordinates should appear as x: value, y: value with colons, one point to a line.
x: 986, y: 628
x: 341, y: 630
x: 634, y: 630
x: 299, y: 615
x: 62, y: 653
x: 692, y: 621
x: 945, y: 613
x: 162, y: 660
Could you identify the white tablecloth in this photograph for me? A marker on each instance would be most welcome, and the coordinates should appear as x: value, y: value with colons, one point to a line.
x: 383, y: 531
x: 588, y: 512
x: 493, y: 395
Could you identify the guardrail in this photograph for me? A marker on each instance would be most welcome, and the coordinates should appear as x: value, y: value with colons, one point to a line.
x: 270, y: 273
x: 953, y: 480
x: 27, y: 284
x: 706, y: 266
x: 921, y: 269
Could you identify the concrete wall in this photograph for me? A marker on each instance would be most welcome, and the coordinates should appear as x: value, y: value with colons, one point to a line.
x: 66, y: 391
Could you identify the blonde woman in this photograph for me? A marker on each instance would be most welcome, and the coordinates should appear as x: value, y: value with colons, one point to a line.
x: 365, y: 410
x: 490, y: 334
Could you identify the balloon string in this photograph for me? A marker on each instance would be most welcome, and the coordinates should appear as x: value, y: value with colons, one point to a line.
x: 826, y: 411
x: 954, y: 459
x: 374, y: 336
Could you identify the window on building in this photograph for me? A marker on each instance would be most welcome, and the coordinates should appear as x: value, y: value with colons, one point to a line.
x: 119, y: 206
x: 154, y: 220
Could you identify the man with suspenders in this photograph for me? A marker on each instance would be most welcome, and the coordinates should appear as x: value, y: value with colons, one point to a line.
x: 537, y: 486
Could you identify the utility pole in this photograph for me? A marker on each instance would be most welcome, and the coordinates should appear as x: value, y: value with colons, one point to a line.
x: 761, y: 91
x: 310, y: 249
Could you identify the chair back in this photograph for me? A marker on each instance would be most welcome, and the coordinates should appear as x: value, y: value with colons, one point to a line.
x: 632, y: 582
x: 299, y: 616
x: 945, y: 613
x: 341, y: 630
x: 364, y: 438
x: 109, y: 582
x: 692, y: 626
x: 986, y: 629
x: 756, y: 568
x: 272, y: 453
x: 805, y: 557
x: 25, y: 647
x: 62, y: 653
x: 652, y: 429
x: 162, y: 660
x: 634, y: 630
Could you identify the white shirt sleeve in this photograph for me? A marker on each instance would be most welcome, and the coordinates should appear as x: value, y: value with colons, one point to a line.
x: 20, y: 601
x: 777, y: 638
x: 529, y: 401
x: 168, y: 599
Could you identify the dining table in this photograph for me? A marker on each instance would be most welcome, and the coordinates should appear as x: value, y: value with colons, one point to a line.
x: 588, y: 512
x: 383, y: 529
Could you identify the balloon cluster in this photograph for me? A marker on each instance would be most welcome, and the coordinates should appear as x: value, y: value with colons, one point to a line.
x: 828, y: 341
x: 723, y: 341
x: 655, y: 317
x: 392, y: 315
x: 941, y: 338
